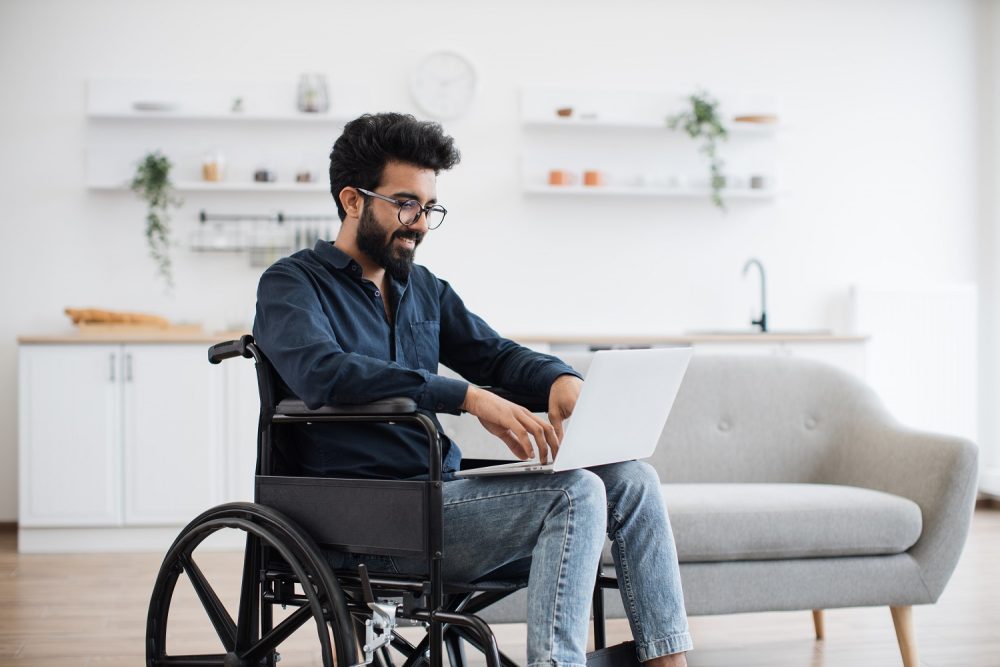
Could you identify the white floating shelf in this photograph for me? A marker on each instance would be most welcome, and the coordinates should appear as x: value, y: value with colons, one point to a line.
x: 226, y: 186
x: 607, y: 190
x: 238, y: 117
x: 619, y: 124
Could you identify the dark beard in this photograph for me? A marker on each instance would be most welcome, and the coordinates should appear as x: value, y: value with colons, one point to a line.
x: 371, y: 241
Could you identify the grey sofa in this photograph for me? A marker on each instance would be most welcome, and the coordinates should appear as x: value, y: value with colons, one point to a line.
x: 789, y: 487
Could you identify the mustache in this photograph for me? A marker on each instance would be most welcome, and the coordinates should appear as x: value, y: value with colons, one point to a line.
x: 417, y: 237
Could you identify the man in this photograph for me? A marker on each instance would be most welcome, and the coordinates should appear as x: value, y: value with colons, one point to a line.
x: 356, y: 320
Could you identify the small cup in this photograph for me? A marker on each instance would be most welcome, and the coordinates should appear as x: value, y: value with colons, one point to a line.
x: 561, y: 177
x: 593, y: 177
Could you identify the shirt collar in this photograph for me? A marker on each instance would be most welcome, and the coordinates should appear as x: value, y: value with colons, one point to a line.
x: 338, y: 259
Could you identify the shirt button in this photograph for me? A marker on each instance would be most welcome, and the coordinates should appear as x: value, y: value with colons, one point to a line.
x: 377, y: 293
x: 724, y: 426
x: 439, y: 406
x: 810, y: 423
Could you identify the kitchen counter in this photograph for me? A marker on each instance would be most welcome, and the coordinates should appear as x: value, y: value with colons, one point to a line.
x: 186, y: 336
x: 695, y: 337
x: 139, y: 336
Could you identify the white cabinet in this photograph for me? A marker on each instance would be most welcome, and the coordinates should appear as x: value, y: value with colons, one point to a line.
x: 117, y: 435
x: 70, y: 435
x: 172, y: 423
x: 242, y: 414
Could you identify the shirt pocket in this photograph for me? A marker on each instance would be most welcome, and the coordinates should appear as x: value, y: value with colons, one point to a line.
x: 426, y: 344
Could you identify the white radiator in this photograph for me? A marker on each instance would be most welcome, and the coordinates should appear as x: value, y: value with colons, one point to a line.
x: 922, y: 353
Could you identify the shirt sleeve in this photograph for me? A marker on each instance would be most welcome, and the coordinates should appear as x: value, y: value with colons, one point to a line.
x: 471, y: 348
x: 300, y: 341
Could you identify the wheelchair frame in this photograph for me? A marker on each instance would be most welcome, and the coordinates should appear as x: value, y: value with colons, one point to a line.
x: 291, y: 516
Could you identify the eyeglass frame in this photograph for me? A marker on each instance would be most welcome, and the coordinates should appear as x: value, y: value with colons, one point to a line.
x: 424, y: 210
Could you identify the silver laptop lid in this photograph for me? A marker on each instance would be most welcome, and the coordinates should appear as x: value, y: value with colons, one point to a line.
x: 623, y: 406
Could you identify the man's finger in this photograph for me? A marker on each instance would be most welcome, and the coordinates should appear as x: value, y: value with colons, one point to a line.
x: 557, y: 425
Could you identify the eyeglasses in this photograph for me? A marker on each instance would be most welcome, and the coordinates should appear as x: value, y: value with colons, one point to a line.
x: 410, y: 210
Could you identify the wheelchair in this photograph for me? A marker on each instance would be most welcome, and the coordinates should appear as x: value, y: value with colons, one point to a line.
x: 355, y: 613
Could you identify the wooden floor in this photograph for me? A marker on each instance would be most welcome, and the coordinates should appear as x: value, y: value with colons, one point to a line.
x: 89, y: 611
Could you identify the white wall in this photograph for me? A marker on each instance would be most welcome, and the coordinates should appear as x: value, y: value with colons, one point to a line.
x: 879, y: 159
x: 989, y: 245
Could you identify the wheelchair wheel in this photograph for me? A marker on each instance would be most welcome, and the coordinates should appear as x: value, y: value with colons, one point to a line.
x: 250, y: 639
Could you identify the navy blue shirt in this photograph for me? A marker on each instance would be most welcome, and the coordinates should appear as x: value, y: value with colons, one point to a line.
x: 325, y: 331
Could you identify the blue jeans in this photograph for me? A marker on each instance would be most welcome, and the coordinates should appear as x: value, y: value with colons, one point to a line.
x: 551, y: 529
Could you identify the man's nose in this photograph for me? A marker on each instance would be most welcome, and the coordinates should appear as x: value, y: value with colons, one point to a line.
x: 420, y: 224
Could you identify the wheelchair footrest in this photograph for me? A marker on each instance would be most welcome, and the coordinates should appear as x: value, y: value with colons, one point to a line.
x: 620, y: 655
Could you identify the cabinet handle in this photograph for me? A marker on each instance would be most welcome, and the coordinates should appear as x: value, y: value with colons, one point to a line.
x: 128, y: 367
x: 111, y: 366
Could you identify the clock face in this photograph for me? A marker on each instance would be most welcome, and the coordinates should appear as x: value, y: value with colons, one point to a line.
x: 444, y: 84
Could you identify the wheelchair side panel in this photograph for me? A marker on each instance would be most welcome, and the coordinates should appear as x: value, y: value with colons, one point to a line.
x: 356, y: 515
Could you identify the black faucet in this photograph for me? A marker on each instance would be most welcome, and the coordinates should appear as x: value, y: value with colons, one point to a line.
x: 762, y: 322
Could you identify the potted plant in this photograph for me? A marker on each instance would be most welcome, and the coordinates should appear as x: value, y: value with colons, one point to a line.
x: 702, y: 121
x: 152, y: 183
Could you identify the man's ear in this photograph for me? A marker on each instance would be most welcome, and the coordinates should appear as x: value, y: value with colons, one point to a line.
x: 352, y: 201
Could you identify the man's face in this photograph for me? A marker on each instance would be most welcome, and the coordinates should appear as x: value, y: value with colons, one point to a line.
x: 380, y: 236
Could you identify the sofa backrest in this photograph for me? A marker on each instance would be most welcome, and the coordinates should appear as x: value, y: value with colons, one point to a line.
x: 737, y: 418
x: 743, y: 418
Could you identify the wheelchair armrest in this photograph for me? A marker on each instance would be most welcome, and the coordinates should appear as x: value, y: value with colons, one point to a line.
x: 531, y: 402
x: 293, y: 407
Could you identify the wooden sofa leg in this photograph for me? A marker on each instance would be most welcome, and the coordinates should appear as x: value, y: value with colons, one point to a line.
x: 818, y: 622
x: 902, y: 618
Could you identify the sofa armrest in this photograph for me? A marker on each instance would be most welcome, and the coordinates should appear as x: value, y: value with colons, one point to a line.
x: 937, y: 472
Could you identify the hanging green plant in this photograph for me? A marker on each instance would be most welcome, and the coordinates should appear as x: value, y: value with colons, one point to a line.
x: 702, y: 121
x: 152, y: 183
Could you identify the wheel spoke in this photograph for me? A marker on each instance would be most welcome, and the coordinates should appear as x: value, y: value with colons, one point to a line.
x: 278, y: 634
x: 191, y: 660
x: 217, y: 612
x: 247, y: 630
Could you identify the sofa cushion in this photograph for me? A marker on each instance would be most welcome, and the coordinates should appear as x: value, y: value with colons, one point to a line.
x: 725, y: 522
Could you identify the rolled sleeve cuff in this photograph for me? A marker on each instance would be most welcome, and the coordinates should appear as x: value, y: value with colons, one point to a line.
x: 550, y: 373
x: 443, y: 394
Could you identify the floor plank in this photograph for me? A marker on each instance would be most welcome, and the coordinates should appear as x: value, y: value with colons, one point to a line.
x: 90, y: 611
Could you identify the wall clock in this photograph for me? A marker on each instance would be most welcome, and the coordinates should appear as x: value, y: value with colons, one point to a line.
x: 444, y: 84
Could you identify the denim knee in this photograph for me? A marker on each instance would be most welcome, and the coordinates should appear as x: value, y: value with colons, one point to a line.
x: 586, y: 492
x: 630, y: 477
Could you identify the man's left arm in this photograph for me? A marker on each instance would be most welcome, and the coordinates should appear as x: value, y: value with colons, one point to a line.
x: 472, y: 348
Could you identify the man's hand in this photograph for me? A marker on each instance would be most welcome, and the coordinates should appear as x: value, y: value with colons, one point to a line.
x: 515, y: 425
x: 562, y: 400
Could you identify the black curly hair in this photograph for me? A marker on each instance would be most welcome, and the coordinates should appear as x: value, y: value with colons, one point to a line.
x: 360, y: 154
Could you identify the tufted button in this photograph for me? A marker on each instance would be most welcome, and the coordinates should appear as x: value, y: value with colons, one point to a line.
x: 810, y: 423
x: 724, y: 425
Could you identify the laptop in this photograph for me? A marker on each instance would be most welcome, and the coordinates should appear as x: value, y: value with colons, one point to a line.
x: 619, y: 416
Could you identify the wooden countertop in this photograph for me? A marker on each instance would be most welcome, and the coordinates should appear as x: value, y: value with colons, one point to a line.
x: 690, y: 338
x: 141, y: 336
x: 153, y: 336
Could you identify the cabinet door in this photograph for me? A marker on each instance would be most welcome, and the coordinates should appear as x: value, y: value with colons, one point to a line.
x: 70, y: 435
x: 242, y: 413
x: 173, y: 434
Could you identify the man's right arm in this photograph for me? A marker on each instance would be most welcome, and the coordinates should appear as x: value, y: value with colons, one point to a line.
x: 300, y: 342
